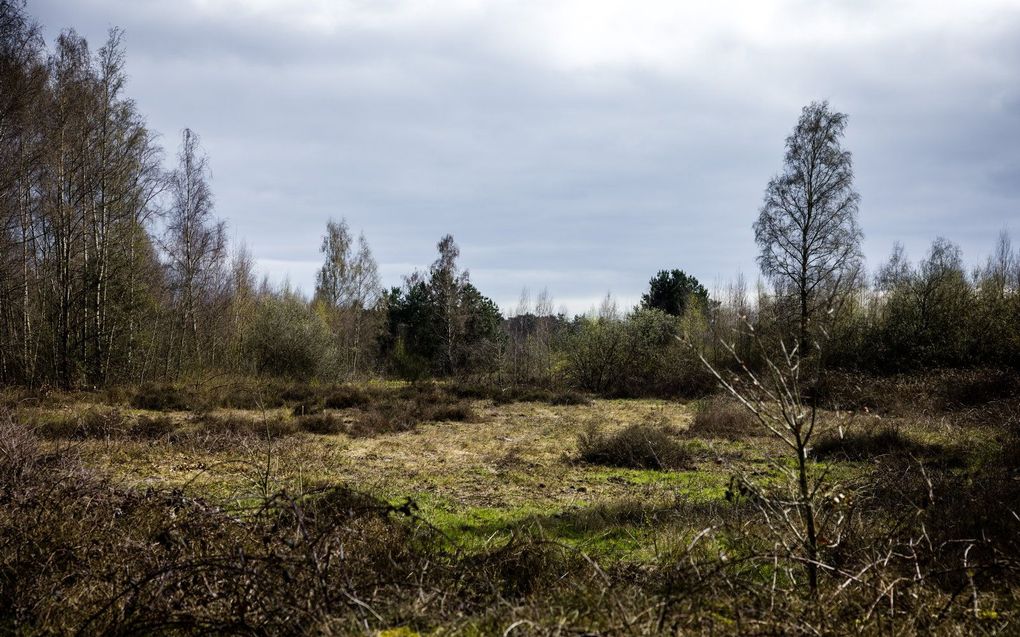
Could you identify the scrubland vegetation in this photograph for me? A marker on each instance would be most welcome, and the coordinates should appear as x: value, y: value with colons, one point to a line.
x: 611, y: 516
x: 184, y: 450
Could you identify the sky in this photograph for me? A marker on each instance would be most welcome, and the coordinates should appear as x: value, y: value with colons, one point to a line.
x: 577, y: 146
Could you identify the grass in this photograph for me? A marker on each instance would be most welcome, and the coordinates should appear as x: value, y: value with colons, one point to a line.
x: 500, y: 485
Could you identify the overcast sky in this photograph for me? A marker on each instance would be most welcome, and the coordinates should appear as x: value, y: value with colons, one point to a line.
x: 576, y: 145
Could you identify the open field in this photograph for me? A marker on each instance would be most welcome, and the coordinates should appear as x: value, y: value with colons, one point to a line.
x: 480, y: 476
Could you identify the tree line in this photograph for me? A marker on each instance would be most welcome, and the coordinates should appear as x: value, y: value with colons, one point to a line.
x: 114, y: 268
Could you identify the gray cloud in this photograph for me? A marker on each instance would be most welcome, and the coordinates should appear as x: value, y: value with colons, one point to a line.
x: 570, y: 145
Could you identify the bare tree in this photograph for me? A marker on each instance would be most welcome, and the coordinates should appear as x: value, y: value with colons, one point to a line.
x: 22, y: 84
x: 195, y: 242
x: 348, y: 283
x: 807, y: 228
x: 894, y: 272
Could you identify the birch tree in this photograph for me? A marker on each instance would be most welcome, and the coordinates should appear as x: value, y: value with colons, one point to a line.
x: 195, y: 240
x: 807, y: 228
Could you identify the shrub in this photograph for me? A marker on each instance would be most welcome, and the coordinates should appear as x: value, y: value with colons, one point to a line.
x: 289, y: 339
x: 346, y: 397
x: 520, y: 393
x: 456, y: 412
x: 639, y: 355
x: 388, y: 417
x: 638, y: 446
x: 374, y: 422
x: 307, y: 408
x: 153, y: 427
x: 320, y: 423
x: 722, y: 417
x: 95, y: 423
x: 977, y: 387
x: 161, y: 397
x: 236, y: 426
x: 568, y: 397
x: 885, y: 440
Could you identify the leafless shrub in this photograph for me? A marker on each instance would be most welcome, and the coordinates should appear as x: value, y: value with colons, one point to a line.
x: 93, y: 423
x: 339, y: 561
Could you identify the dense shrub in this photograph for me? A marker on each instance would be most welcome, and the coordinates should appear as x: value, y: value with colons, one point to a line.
x: 568, y: 398
x: 94, y: 423
x: 637, y: 446
x: 289, y: 339
x: 454, y: 412
x: 639, y: 355
x: 153, y: 427
x: 308, y: 408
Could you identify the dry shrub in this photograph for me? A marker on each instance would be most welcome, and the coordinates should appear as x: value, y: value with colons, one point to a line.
x: 409, y: 406
x: 373, y: 423
x: 347, y: 397
x: 21, y: 456
x: 928, y: 392
x: 883, y: 440
x: 393, y: 416
x: 264, y: 394
x: 321, y: 423
x: 153, y: 427
x: 968, y: 388
x: 519, y: 394
x: 307, y: 408
x: 569, y: 397
x: 162, y: 397
x: 93, y: 423
x: 637, y: 446
x: 722, y: 417
x: 454, y: 412
x: 519, y: 568
x: 972, y: 519
x: 231, y: 427
x: 335, y: 560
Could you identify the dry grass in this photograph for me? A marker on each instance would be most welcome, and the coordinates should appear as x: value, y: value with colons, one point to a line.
x: 307, y: 552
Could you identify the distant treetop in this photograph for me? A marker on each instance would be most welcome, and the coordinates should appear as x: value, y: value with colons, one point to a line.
x: 672, y: 291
